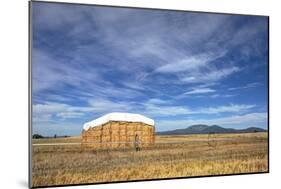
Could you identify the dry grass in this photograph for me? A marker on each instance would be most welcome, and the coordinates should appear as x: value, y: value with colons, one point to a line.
x: 233, y: 153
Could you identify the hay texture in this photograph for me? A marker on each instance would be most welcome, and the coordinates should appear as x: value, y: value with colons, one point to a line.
x: 118, y: 131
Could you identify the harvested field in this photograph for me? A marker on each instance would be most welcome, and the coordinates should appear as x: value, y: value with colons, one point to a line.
x: 171, y: 156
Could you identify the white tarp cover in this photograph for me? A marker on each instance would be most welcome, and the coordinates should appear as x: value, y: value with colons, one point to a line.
x: 116, y: 116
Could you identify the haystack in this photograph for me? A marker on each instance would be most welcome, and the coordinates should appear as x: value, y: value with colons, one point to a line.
x: 118, y: 130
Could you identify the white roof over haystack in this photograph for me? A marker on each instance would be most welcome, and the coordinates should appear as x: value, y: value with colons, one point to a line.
x: 116, y: 116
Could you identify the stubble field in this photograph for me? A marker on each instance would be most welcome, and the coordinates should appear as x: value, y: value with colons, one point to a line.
x: 171, y: 156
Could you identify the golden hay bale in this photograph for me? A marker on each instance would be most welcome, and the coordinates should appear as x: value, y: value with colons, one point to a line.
x: 118, y: 135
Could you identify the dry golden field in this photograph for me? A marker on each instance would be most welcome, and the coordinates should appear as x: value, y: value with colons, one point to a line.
x: 172, y: 156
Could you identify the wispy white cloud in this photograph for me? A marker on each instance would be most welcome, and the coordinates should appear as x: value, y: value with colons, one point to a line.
x: 187, y: 64
x: 154, y: 108
x: 247, y: 86
x: 49, y: 108
x: 223, y: 95
x: 67, y: 115
x: 104, y: 105
x: 158, y: 101
x: 200, y: 91
x: 50, y: 73
x: 232, y: 108
x: 41, y: 118
x: 209, y: 76
x: 159, y: 110
x: 48, y: 111
x: 45, y: 112
x: 191, y: 63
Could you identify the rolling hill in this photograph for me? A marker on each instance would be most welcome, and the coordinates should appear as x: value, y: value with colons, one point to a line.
x: 205, y: 129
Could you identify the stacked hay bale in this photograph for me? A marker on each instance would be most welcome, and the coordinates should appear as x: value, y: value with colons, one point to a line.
x: 118, y: 130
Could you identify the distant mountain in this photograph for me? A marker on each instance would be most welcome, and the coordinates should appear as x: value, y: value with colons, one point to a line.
x: 253, y: 129
x: 205, y: 129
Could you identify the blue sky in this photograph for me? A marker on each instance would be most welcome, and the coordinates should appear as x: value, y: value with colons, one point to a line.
x: 178, y: 68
